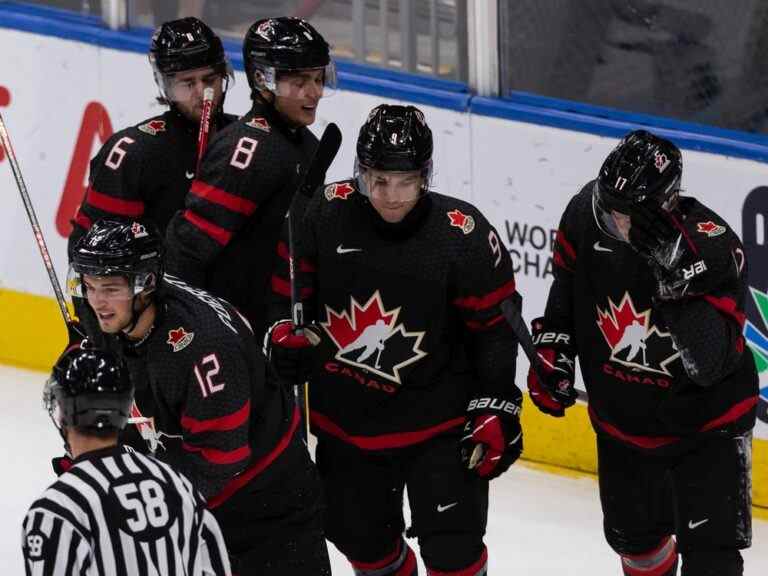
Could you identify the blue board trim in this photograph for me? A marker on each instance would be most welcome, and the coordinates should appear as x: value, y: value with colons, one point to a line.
x: 424, y: 90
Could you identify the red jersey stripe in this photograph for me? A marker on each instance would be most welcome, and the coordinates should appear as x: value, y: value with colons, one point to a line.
x: 228, y: 422
x: 114, y: 205
x: 82, y: 220
x: 216, y: 456
x: 304, y: 265
x: 283, y: 288
x: 222, y: 198
x: 567, y: 246
x: 257, y: 467
x: 491, y: 299
x: 480, y: 326
x: 728, y: 307
x: 384, y: 441
x: 216, y: 233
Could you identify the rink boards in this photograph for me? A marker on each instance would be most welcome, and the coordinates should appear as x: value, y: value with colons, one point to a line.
x: 517, y: 165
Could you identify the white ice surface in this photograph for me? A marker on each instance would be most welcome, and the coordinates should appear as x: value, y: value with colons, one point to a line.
x: 539, y: 523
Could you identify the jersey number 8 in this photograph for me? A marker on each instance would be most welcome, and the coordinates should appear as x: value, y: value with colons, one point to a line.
x: 243, y: 154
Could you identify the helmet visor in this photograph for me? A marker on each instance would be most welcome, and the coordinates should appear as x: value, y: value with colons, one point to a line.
x: 297, y: 84
x: 187, y: 86
x: 105, y: 283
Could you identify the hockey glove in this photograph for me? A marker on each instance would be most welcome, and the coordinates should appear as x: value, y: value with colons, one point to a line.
x: 688, y: 257
x: 290, y: 351
x: 557, y: 365
x: 493, y: 438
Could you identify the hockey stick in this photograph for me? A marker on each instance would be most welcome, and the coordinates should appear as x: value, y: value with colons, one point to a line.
x: 205, y: 127
x: 329, y: 145
x: 314, y: 177
x: 72, y: 330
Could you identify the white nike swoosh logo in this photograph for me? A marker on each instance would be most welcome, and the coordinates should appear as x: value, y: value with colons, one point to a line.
x: 441, y: 508
x: 189, y: 175
x: 599, y: 248
x: 692, y: 525
x: 341, y: 250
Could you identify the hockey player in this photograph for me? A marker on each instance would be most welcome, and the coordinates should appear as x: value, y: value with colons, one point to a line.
x: 225, y: 239
x: 105, y: 514
x: 415, y: 367
x: 146, y: 170
x: 648, y: 293
x: 203, y: 402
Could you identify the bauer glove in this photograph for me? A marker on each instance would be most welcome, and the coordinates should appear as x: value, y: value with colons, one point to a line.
x: 557, y: 364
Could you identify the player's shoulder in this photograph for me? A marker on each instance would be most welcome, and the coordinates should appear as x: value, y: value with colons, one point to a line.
x: 457, y: 217
x: 194, y: 318
x: 703, y: 219
x: 337, y: 193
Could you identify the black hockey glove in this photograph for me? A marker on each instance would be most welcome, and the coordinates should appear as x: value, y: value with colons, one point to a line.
x: 557, y: 364
x: 688, y: 257
x: 289, y: 352
x: 493, y: 438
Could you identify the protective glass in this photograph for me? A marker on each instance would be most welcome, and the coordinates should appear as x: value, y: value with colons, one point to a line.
x: 392, y: 186
x: 189, y: 84
x: 297, y: 84
x: 602, y: 206
x: 107, y: 284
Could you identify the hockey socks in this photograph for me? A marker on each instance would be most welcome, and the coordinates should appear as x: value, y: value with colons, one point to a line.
x: 662, y: 561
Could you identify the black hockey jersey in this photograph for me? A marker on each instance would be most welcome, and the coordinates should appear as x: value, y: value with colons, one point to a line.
x: 202, y: 397
x: 122, y: 513
x: 633, y: 352
x: 224, y: 240
x: 411, y: 325
x: 143, y: 171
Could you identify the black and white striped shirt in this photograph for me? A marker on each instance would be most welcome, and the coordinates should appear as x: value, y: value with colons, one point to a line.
x: 117, y: 512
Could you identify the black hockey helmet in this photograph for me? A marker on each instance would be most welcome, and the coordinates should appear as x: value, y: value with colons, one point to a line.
x: 89, y: 389
x: 186, y: 44
x: 397, y: 139
x: 273, y: 45
x: 118, y: 247
x: 643, y: 167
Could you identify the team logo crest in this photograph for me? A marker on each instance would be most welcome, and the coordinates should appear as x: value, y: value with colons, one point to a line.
x: 633, y: 340
x: 462, y: 221
x: 260, y: 124
x: 661, y: 161
x: 179, y: 338
x: 369, y: 337
x: 710, y: 228
x: 153, y: 127
x: 340, y: 190
x: 138, y: 230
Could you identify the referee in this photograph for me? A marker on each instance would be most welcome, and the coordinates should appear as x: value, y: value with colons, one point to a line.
x: 114, y: 511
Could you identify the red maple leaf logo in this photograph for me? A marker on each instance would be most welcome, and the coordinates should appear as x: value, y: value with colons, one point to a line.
x: 345, y: 330
x: 339, y: 190
x: 259, y: 123
x: 710, y: 228
x: 616, y: 319
x: 153, y: 127
x: 176, y: 336
x: 462, y: 221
